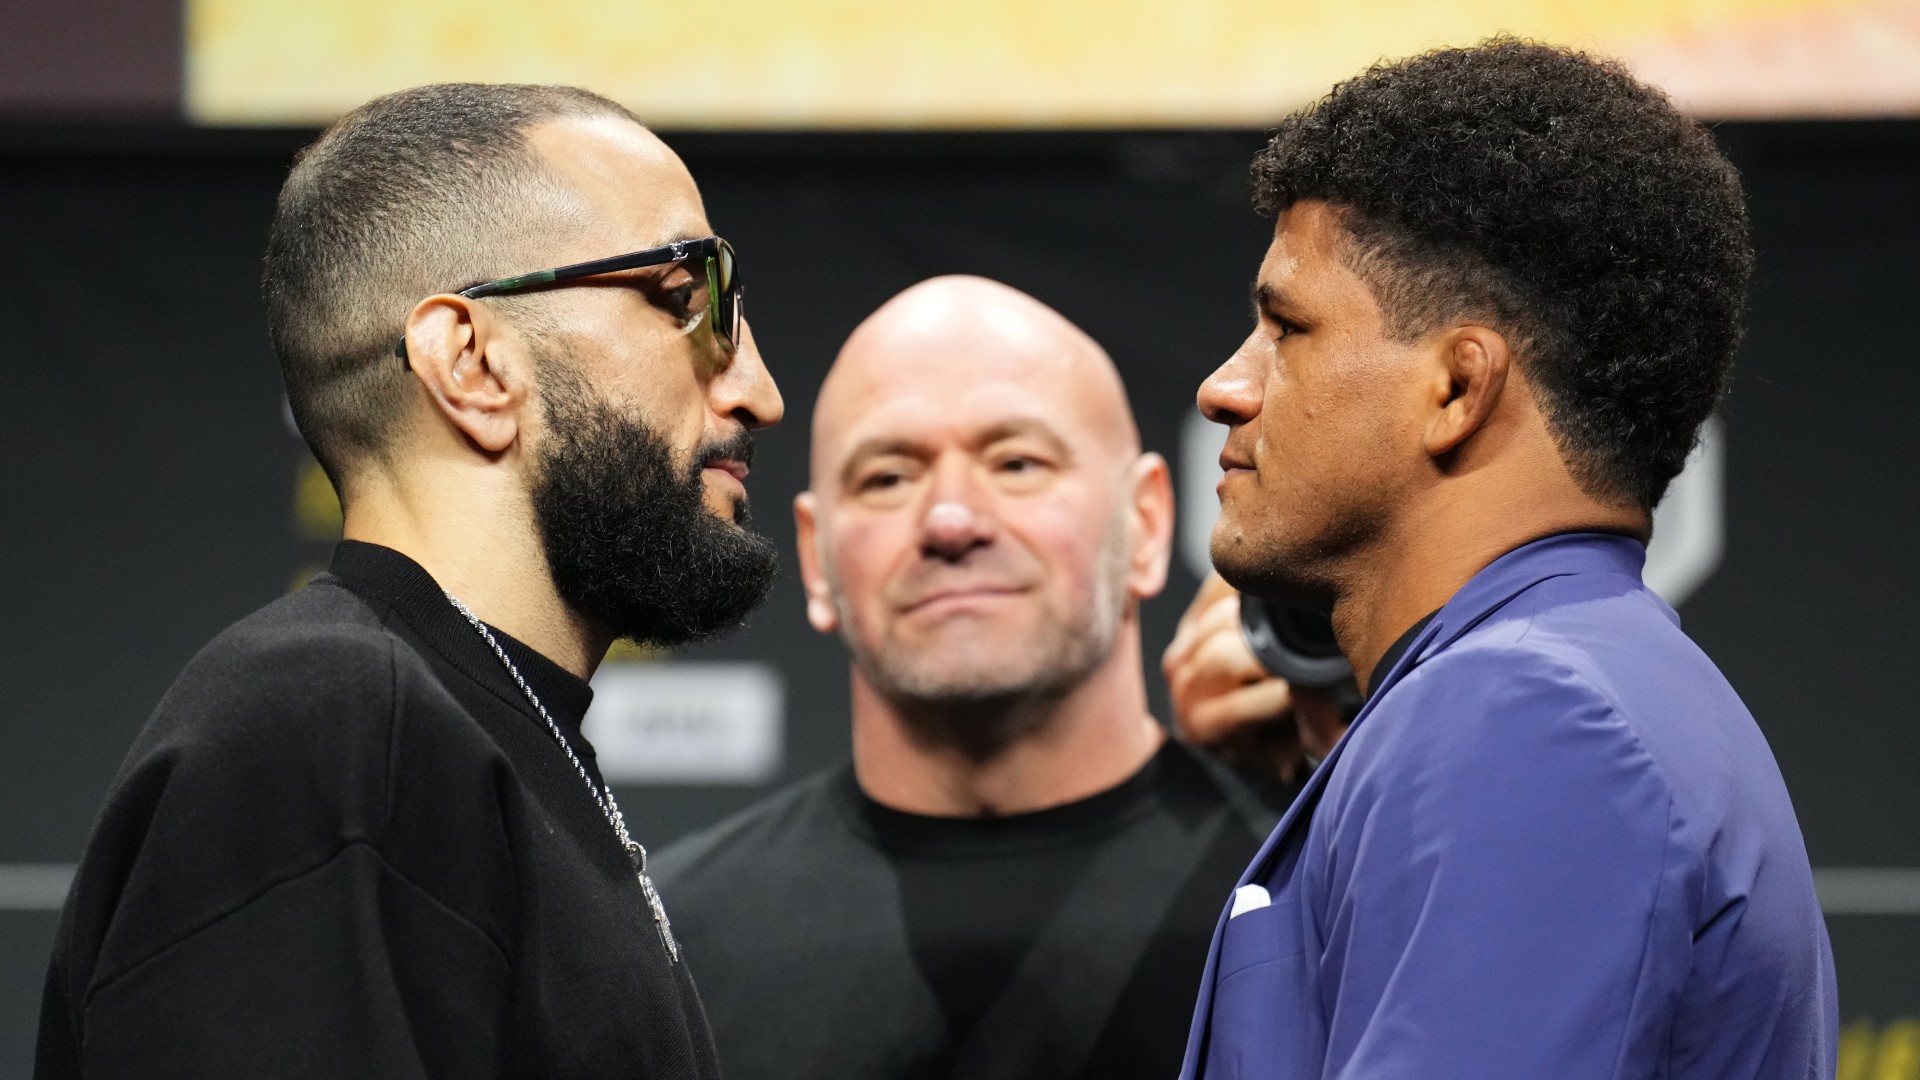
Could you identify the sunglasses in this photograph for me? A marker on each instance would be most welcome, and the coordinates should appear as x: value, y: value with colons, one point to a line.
x: 726, y: 296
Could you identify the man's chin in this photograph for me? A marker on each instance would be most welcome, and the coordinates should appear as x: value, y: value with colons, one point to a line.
x: 958, y: 683
x: 1236, y: 557
x: 961, y: 658
x: 1268, y: 574
x: 726, y: 506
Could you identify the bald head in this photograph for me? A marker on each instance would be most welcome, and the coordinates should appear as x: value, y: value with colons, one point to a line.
x: 956, y: 339
x: 982, y: 523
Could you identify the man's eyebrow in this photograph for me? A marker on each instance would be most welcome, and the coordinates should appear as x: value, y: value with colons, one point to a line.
x: 1265, y: 298
x: 880, y: 446
x: 906, y: 446
x: 1023, y: 425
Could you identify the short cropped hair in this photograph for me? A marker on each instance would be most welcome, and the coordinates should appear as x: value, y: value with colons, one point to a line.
x: 422, y: 191
x: 1570, y: 206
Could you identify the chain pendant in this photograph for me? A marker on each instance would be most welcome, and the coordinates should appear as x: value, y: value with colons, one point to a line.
x: 637, y: 856
x: 660, y: 922
x: 602, y: 795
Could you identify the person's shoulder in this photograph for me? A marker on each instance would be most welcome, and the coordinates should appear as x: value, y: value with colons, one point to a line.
x: 293, y: 704
x: 1488, y: 681
x: 315, y: 658
x: 266, y: 758
x: 1502, y: 751
x: 1630, y: 674
x: 1566, y: 664
x: 1558, y: 649
x: 1612, y: 632
x: 316, y: 628
x: 307, y: 702
x: 1486, y: 710
x: 319, y: 650
x: 1195, y: 779
x: 784, y: 828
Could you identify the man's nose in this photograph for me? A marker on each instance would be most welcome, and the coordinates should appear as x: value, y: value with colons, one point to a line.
x: 953, y: 527
x: 1232, y: 394
x: 745, y: 391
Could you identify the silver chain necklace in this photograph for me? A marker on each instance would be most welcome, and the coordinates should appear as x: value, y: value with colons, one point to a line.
x: 602, y: 796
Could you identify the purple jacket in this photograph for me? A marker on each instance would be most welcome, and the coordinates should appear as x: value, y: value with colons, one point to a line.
x: 1553, y: 845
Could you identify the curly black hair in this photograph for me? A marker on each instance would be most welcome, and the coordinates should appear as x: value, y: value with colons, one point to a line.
x: 1571, y: 206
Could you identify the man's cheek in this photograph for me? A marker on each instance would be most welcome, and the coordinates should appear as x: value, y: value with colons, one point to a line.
x: 861, y: 586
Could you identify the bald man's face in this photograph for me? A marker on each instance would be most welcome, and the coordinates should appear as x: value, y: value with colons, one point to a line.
x: 974, y: 529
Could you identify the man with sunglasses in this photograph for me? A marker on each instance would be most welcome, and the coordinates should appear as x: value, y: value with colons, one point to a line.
x: 362, y: 836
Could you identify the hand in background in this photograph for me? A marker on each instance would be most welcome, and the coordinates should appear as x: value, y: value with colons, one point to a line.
x: 1224, y: 701
x: 1218, y: 685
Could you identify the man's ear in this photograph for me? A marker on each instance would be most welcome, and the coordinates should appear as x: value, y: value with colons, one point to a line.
x: 1150, y: 513
x: 474, y: 373
x: 822, y: 613
x: 1467, y: 384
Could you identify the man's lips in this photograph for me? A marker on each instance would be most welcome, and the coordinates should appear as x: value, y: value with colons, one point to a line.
x: 1230, y: 467
x: 735, y: 469
x: 956, y: 597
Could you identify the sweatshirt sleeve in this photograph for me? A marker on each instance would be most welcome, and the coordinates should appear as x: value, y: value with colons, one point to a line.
x: 348, y: 970
x: 1504, y: 884
x: 267, y: 894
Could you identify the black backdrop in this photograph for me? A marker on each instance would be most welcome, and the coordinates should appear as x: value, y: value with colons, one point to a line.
x: 147, y: 474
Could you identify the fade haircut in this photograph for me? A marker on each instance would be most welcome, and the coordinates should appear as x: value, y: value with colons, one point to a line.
x: 419, y: 192
x: 1561, y: 201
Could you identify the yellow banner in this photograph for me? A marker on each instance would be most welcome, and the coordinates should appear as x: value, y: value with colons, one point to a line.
x: 1015, y: 63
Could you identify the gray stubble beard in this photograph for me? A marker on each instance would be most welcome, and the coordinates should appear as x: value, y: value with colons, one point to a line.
x: 973, y: 712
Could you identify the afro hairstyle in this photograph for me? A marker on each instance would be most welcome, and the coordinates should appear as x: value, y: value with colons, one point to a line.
x: 1561, y: 201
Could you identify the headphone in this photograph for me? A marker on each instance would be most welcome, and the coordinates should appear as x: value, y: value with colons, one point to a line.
x: 1297, y: 644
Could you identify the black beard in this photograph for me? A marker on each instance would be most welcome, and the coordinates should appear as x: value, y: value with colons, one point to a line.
x: 629, y: 539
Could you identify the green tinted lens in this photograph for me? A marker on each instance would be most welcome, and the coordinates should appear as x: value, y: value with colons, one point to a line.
x: 717, y: 304
x: 723, y: 283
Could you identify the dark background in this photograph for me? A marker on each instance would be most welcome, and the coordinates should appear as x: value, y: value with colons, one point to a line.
x: 147, y: 474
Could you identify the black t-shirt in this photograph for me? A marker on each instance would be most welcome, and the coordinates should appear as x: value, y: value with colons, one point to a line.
x: 1383, y: 666
x: 346, y: 846
x: 837, y: 939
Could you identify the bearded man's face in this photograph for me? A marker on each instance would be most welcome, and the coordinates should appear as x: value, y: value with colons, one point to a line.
x: 630, y: 540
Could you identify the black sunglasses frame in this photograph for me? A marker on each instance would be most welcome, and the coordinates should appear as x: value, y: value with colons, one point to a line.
x: 726, y: 296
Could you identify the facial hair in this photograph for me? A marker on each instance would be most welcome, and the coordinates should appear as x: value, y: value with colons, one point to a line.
x: 985, y: 707
x: 628, y: 536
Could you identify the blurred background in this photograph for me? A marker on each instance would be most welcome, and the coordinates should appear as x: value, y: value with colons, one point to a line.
x: 1092, y: 153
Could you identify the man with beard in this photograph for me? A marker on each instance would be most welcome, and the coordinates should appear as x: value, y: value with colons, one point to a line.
x: 1502, y: 295
x: 361, y: 835
x: 1016, y: 874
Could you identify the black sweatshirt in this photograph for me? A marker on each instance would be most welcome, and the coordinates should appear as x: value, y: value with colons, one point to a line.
x: 345, y: 846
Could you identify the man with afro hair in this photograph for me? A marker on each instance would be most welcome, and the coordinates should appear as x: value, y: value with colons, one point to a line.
x: 1504, y: 292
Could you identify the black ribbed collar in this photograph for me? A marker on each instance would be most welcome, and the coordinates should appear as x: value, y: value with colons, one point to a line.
x: 384, y: 576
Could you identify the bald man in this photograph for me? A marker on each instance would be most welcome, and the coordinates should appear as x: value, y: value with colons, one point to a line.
x: 1017, y: 873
